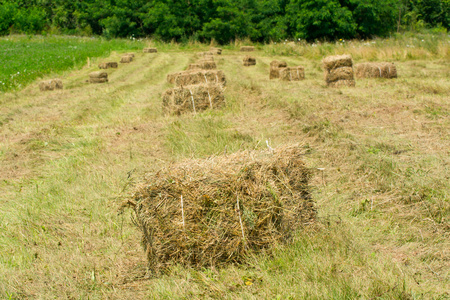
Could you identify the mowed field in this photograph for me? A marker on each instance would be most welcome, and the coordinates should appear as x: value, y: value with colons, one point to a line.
x: 380, y: 153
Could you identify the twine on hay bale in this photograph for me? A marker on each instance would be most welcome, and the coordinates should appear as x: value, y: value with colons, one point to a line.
x: 203, y: 65
x: 150, y: 50
x: 98, y: 77
x: 339, y: 71
x: 126, y: 59
x: 376, y: 70
x: 247, y: 48
x: 220, y: 210
x: 192, y: 98
x: 51, y: 85
x: 292, y: 73
x: 249, y: 61
x: 275, y: 67
x: 108, y: 65
x: 197, y: 77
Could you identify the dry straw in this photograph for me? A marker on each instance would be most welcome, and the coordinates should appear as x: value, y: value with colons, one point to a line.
x: 376, y: 70
x: 338, y: 70
x: 126, y: 59
x: 150, y: 50
x: 247, y: 48
x: 275, y: 67
x: 249, y: 61
x: 192, y: 98
x: 108, y: 65
x: 216, y: 51
x: 220, y: 210
x: 203, y: 65
x: 292, y: 73
x: 98, y: 77
x: 50, y: 85
x: 197, y: 77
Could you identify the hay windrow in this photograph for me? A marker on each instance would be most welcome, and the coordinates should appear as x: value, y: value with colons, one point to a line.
x: 150, y: 50
x: 192, y: 98
x: 247, y: 48
x: 108, y: 65
x: 197, y: 77
x: 337, y: 61
x: 292, y: 73
x: 50, y: 85
x: 376, y: 70
x: 217, y: 211
x: 249, y: 61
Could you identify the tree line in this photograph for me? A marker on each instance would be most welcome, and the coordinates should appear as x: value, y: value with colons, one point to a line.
x: 223, y: 20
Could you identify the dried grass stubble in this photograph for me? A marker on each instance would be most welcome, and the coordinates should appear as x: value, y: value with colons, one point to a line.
x: 189, y: 214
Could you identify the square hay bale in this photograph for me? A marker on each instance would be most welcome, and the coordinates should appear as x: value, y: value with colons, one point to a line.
x: 107, y: 65
x: 292, y: 73
x: 126, y: 59
x: 98, y: 77
x: 150, y: 50
x: 203, y: 65
x: 249, y: 61
x: 217, y: 51
x: 192, y: 98
x: 337, y: 61
x: 129, y: 54
x: 51, y: 85
x: 247, y: 48
x: 341, y: 83
x: 220, y: 210
x: 275, y: 68
x: 197, y: 77
x: 341, y: 73
x: 376, y: 70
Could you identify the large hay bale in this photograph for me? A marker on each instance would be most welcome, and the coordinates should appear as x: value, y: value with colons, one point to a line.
x: 292, y: 73
x: 98, y: 77
x: 247, y: 48
x: 216, y: 51
x: 126, y: 59
x: 197, y: 77
x: 342, y: 73
x: 337, y: 61
x: 150, y: 50
x: 275, y: 67
x: 249, y: 61
x: 107, y: 65
x: 376, y: 70
x: 218, y: 211
x: 192, y: 98
x: 203, y: 65
x: 51, y: 85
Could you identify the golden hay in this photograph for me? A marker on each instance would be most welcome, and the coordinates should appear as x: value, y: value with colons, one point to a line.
x: 197, y: 77
x: 275, y: 68
x: 249, y: 61
x: 192, y: 98
x: 220, y: 210
x: 342, y: 73
x: 292, y: 73
x: 247, y: 48
x: 203, y: 65
x: 98, y: 80
x: 107, y: 65
x: 98, y: 77
x: 172, y: 76
x: 150, y: 50
x: 129, y: 54
x: 50, y: 85
x: 126, y: 59
x: 216, y: 51
x: 337, y: 61
x: 376, y: 70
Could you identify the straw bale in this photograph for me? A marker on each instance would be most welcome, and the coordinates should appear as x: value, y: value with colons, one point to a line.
x: 336, y: 61
x: 292, y: 73
x: 220, y: 210
x: 126, y: 59
x: 341, y: 83
x: 107, y: 65
x: 192, y: 98
x: 275, y: 68
x: 50, y: 85
x: 247, y: 48
x: 203, y: 65
x: 376, y: 70
x: 98, y: 80
x: 217, y: 51
x: 341, y: 73
x: 129, y: 54
x: 150, y: 50
x: 172, y: 76
x: 197, y: 77
x: 98, y: 74
x: 249, y: 61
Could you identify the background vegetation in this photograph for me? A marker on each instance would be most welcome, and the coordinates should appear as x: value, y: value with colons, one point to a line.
x: 224, y: 20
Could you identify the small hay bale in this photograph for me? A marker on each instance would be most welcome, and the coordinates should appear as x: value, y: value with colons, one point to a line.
x: 108, y: 65
x: 172, y: 76
x: 129, y: 54
x: 51, y: 85
x: 220, y: 210
x: 216, y: 51
x: 126, y: 59
x: 98, y: 77
x: 150, y: 50
x: 249, y: 61
x: 197, y: 77
x: 247, y: 48
x: 292, y: 73
x: 337, y: 61
x: 341, y: 73
x: 341, y: 83
x: 376, y: 70
x: 192, y: 98
x: 203, y: 65
x: 275, y: 68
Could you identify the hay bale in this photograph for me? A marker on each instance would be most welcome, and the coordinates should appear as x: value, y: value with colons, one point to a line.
x: 337, y: 61
x: 192, y: 98
x: 150, y: 50
x: 197, y: 77
x: 129, y: 54
x: 126, y: 59
x: 249, y: 61
x: 218, y: 211
x: 216, y: 51
x: 341, y: 83
x: 98, y: 77
x: 51, y: 85
x: 247, y: 48
x: 292, y: 73
x: 376, y: 70
x: 341, y: 73
x: 203, y: 65
x: 275, y: 67
x: 107, y: 65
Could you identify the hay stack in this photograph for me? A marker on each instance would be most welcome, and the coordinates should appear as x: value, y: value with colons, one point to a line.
x: 192, y: 98
x: 197, y: 77
x: 50, y: 85
x: 107, y: 65
x: 247, y: 48
x: 203, y: 65
x: 126, y: 59
x: 376, y: 70
x: 217, y: 51
x: 292, y: 73
x: 275, y: 67
x: 219, y: 210
x: 249, y: 61
x: 339, y: 70
x: 98, y: 77
x: 150, y: 50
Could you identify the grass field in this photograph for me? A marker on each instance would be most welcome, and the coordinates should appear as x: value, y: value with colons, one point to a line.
x: 68, y: 159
